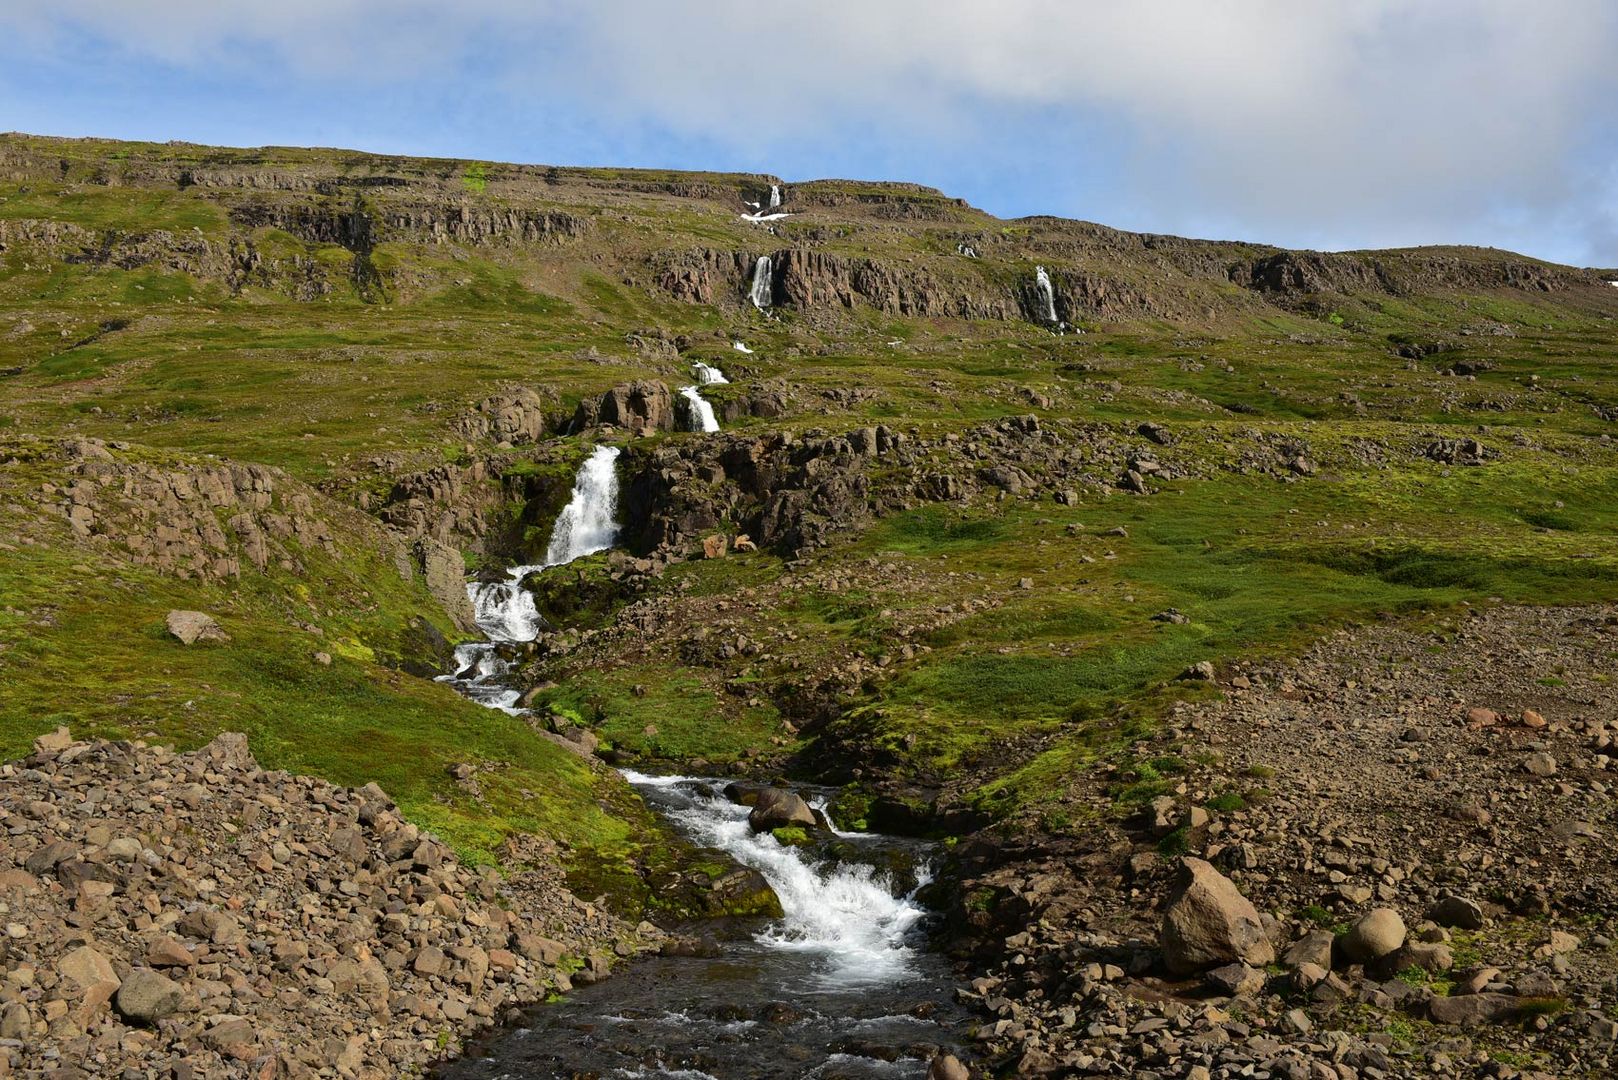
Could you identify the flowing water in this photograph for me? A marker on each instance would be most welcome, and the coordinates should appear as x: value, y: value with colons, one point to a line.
x: 843, y: 987
x: 775, y: 195
x: 1042, y: 282
x: 708, y: 375
x: 763, y: 291
x: 699, y: 412
x: 505, y: 611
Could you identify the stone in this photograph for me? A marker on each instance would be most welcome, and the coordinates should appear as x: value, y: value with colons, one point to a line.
x: 1313, y: 948
x: 1374, y: 935
x: 778, y: 808
x: 53, y: 742
x: 1471, y: 1010
x: 430, y: 960
x: 191, y: 627
x: 85, y: 967
x: 1457, y: 911
x: 167, y: 952
x: 947, y: 1067
x: 1201, y: 671
x: 1540, y: 764
x: 1207, y: 922
x: 15, y: 1021
x: 147, y: 997
x: 1236, y: 980
x: 715, y: 546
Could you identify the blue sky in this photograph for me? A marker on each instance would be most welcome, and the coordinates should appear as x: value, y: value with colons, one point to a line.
x: 1361, y: 123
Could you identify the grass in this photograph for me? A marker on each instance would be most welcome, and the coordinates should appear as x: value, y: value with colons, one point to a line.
x: 350, y: 391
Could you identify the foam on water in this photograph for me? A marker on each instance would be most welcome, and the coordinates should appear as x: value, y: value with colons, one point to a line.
x: 699, y: 413
x: 762, y: 293
x: 844, y: 916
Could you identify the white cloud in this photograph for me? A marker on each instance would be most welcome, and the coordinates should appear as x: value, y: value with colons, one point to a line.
x: 1396, y: 118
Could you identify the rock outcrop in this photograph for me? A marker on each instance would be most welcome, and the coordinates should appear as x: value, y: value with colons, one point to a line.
x: 641, y: 408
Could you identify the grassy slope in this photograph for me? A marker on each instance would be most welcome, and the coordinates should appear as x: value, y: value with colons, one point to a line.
x: 320, y: 388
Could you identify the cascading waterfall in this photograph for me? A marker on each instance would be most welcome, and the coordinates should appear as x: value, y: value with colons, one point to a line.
x: 968, y: 250
x: 585, y: 525
x: 775, y: 196
x: 708, y: 375
x: 763, y: 291
x: 1042, y: 282
x: 699, y: 413
x: 845, y: 917
x: 741, y: 346
x: 505, y: 610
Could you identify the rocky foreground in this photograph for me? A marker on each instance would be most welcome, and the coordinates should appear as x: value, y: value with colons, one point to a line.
x: 1389, y: 857
x: 193, y: 915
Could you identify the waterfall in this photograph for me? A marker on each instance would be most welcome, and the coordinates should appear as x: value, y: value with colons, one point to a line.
x: 707, y: 375
x: 763, y: 291
x: 1042, y: 282
x: 505, y: 610
x: 699, y: 415
x: 586, y: 524
x: 968, y: 250
x: 775, y: 196
x: 741, y: 346
x: 846, y: 916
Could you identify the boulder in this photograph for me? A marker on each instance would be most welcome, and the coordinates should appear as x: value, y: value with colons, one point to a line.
x: 194, y: 626
x: 147, y: 997
x: 84, y: 968
x: 1207, y: 922
x: 947, y: 1067
x: 53, y: 742
x: 1472, y: 1010
x: 1374, y: 935
x: 1457, y: 911
x: 777, y: 808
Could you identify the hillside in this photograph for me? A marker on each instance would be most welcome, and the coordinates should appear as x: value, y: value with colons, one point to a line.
x: 1003, y: 548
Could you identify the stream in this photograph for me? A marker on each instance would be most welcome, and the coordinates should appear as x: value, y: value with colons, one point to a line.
x: 843, y: 986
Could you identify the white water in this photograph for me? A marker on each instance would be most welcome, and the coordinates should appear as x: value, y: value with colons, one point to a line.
x: 741, y: 347
x: 775, y: 196
x: 761, y: 216
x: 708, y: 375
x: 585, y: 525
x: 700, y: 414
x: 1042, y: 282
x: 856, y: 930
x: 504, y: 609
x: 763, y: 291
x: 968, y: 250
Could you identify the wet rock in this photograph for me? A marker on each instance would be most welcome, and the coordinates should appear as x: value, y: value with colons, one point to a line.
x: 777, y: 808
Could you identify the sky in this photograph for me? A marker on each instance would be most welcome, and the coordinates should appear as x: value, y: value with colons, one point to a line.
x: 1354, y: 123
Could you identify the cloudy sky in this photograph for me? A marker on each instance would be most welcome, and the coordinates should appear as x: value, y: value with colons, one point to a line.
x: 1351, y: 124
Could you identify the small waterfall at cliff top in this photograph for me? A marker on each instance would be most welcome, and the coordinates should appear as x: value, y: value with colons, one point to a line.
x: 775, y: 196
x: 1042, y: 282
x: 708, y: 375
x: 699, y: 413
x: 763, y: 291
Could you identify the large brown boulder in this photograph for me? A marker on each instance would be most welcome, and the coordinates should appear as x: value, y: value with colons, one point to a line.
x: 1207, y: 923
